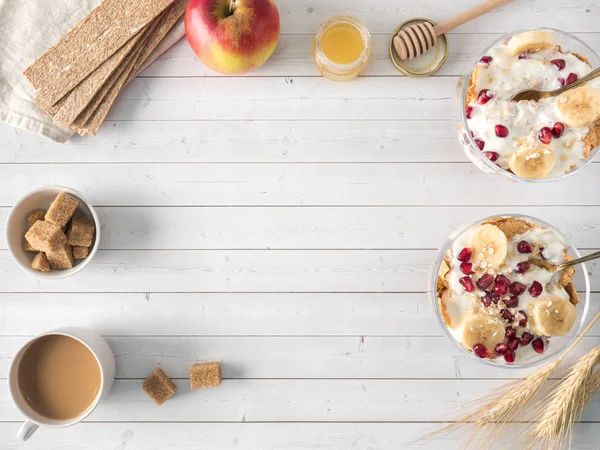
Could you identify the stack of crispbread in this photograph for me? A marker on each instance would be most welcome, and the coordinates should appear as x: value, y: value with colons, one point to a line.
x: 78, y: 79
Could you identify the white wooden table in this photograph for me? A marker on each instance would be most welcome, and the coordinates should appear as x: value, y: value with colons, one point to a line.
x: 283, y: 224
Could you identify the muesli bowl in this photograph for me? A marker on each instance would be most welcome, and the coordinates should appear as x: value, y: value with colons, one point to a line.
x: 458, y: 310
x: 521, y: 124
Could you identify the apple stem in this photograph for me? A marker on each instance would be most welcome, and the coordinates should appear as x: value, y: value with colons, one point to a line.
x: 231, y: 6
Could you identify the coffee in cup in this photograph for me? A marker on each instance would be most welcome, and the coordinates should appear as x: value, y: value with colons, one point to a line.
x: 59, y: 377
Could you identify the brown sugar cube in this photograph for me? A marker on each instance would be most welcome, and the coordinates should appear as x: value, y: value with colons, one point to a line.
x: 40, y: 262
x: 81, y: 232
x: 62, y: 258
x: 80, y: 252
x: 203, y: 375
x: 27, y: 247
x: 45, y: 236
x: 34, y: 216
x: 159, y: 387
x: 61, y: 210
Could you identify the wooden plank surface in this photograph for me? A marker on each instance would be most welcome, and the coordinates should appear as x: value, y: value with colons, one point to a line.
x: 284, y: 225
x: 410, y: 184
x: 256, y: 436
x: 405, y: 227
x: 306, y: 357
x: 276, y: 400
x: 241, y: 271
x: 230, y: 314
x: 293, y: 55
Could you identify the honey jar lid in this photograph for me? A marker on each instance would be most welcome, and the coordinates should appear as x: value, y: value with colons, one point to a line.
x: 428, y: 63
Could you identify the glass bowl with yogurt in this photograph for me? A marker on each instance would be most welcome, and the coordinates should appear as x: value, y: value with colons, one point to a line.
x: 527, y: 140
x: 499, y: 307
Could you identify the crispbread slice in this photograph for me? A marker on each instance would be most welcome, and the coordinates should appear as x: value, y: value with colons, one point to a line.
x: 96, y: 116
x: 69, y: 107
x: 78, y: 124
x: 93, y: 40
x: 156, y: 35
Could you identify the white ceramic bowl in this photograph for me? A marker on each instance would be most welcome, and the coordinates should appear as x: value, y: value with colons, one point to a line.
x: 16, y: 227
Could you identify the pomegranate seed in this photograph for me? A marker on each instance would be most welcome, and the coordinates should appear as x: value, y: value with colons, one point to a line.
x: 485, y: 281
x: 517, y: 288
x: 485, y: 95
x: 512, y: 302
x: 481, y: 351
x: 500, y: 289
x: 562, y: 81
x: 538, y: 345
x: 559, y: 63
x: 486, y: 299
x: 479, y: 143
x: 492, y: 156
x: 572, y: 78
x: 557, y: 130
x: 467, y: 268
x: 510, y: 333
x: 514, y: 344
x: 509, y: 357
x: 545, y: 135
x: 507, y: 315
x: 467, y: 284
x: 535, y: 289
x: 523, y: 321
x: 471, y: 133
x: 522, y: 267
x: 523, y: 56
x: 526, y: 338
x: 501, y: 131
x: 465, y: 255
x: 500, y: 349
x: 524, y: 247
x: 495, y: 298
x: 469, y: 112
x: 501, y: 279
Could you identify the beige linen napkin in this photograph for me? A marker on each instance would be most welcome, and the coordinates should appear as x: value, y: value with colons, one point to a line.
x: 27, y: 29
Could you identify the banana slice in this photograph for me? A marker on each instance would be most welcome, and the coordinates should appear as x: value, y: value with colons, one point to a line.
x: 530, y: 42
x: 532, y: 161
x: 579, y: 107
x: 489, y: 245
x: 553, y: 316
x: 482, y: 329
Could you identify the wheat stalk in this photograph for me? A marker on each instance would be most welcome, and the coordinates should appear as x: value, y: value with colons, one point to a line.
x: 485, y: 416
x: 590, y: 391
x: 563, y: 407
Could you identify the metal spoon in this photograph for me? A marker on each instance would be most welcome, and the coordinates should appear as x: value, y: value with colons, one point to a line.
x: 532, y: 94
x: 558, y: 267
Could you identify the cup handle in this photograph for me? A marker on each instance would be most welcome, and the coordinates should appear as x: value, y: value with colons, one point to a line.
x: 27, y: 430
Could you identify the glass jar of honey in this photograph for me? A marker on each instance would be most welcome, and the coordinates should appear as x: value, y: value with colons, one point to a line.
x: 341, y: 48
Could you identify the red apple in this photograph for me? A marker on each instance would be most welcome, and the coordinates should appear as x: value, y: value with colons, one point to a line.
x: 232, y: 36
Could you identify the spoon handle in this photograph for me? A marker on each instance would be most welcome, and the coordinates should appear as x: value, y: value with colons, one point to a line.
x: 589, y: 257
x: 466, y: 16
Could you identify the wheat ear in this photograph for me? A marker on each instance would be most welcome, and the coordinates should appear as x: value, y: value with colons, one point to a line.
x: 483, y: 415
x: 563, y: 407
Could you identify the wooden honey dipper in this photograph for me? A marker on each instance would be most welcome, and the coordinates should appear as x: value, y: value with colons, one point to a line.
x: 415, y: 40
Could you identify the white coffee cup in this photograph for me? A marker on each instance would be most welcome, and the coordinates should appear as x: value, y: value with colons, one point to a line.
x: 106, y: 361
